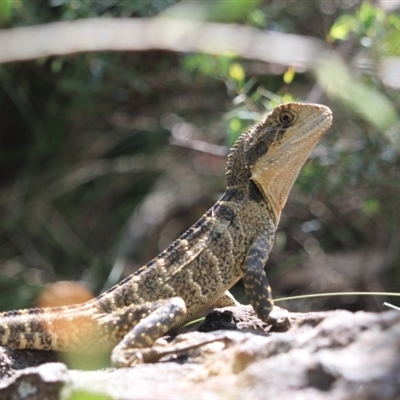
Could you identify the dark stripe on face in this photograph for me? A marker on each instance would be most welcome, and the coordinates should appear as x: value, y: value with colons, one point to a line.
x: 263, y: 142
x: 255, y: 192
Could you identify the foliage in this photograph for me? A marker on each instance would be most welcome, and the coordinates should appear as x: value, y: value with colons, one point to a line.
x: 97, y: 159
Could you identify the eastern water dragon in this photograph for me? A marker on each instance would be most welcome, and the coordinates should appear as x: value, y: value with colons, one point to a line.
x: 231, y: 241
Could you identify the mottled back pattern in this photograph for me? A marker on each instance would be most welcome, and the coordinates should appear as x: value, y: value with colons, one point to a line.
x: 232, y: 240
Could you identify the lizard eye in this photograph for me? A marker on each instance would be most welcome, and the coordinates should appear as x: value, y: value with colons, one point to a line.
x: 286, y: 118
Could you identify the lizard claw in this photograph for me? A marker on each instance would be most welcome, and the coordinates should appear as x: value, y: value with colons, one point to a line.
x: 127, y: 359
x: 279, y: 320
x: 279, y: 324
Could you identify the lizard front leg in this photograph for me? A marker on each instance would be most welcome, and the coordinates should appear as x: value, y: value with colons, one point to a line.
x: 159, y: 318
x: 256, y: 283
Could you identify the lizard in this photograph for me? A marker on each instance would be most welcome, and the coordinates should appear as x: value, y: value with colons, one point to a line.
x: 194, y: 274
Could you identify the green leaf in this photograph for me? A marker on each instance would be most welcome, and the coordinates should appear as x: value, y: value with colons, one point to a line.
x: 5, y: 10
x: 368, y: 14
x: 288, y: 76
x: 257, y: 18
x: 288, y: 98
x: 236, y: 72
x: 217, y: 10
x: 376, y: 108
x: 235, y: 129
x: 342, y: 27
x: 86, y: 395
x: 371, y: 206
x: 391, y: 43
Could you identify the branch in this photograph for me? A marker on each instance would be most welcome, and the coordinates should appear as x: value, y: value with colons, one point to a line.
x: 87, y: 35
x: 179, y: 35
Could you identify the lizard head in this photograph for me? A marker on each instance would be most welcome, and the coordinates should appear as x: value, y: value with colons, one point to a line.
x: 272, y: 153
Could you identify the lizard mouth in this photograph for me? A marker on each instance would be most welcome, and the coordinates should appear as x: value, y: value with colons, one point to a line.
x: 276, y: 172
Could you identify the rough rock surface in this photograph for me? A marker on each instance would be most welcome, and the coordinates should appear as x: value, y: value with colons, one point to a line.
x: 325, y: 355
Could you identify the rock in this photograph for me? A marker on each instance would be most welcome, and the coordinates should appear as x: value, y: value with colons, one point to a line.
x: 324, y: 355
x: 35, y: 383
x: 12, y: 360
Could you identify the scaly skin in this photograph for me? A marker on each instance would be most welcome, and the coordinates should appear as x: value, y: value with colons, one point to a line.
x: 231, y: 241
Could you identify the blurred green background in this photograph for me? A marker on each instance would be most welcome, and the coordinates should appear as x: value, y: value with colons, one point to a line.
x: 107, y: 157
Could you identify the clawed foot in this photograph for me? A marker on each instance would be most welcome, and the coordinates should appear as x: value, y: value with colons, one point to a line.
x: 160, y: 349
x: 131, y: 357
x: 278, y: 320
x: 128, y: 358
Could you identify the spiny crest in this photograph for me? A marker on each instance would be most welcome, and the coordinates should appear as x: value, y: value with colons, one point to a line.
x: 236, y: 152
x: 236, y: 161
